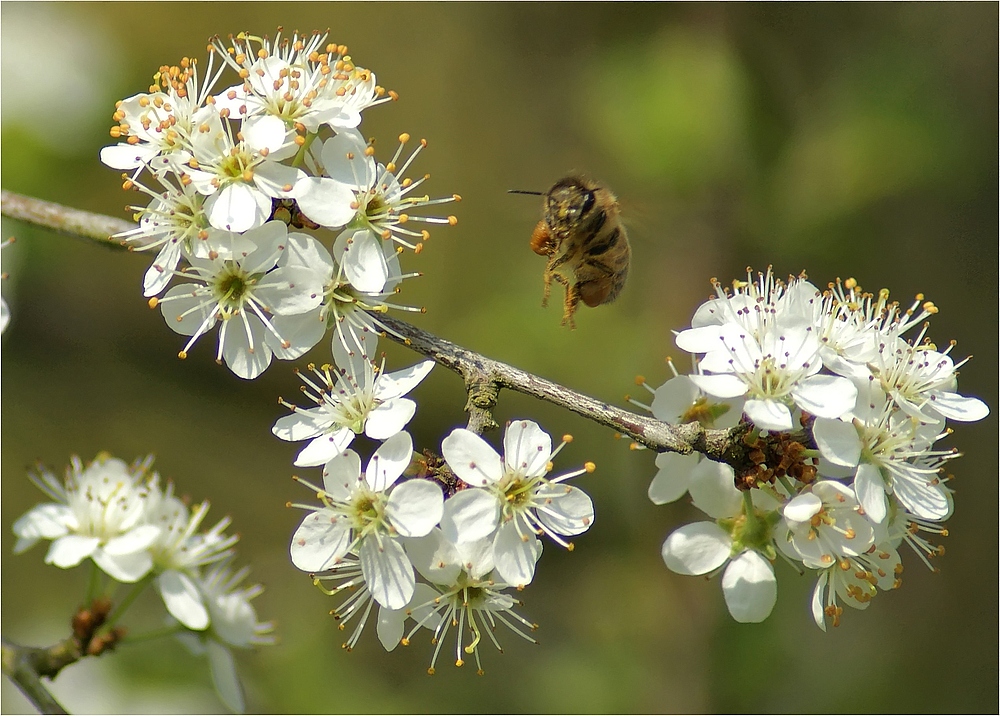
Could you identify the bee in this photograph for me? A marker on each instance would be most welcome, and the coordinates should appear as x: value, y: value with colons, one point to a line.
x: 587, y: 247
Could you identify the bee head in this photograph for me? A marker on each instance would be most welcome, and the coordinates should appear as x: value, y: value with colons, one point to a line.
x: 568, y: 202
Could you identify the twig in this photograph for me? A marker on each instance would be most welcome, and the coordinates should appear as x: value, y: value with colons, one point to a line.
x: 484, y: 377
x: 26, y: 665
x: 72, y: 222
x: 21, y: 664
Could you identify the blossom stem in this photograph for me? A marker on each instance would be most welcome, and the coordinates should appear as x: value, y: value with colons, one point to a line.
x: 125, y: 603
x: 93, y: 583
x: 753, y: 524
x: 150, y: 635
x: 786, y: 483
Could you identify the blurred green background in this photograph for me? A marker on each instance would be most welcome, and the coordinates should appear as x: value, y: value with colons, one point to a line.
x: 846, y: 140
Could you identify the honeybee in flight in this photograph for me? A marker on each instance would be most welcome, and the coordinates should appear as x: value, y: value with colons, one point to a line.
x: 585, y: 242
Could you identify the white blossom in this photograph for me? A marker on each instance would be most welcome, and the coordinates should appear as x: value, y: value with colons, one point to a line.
x: 465, y: 594
x: 300, y: 80
x: 511, y: 499
x: 180, y: 551
x: 888, y: 453
x: 98, y: 512
x: 822, y: 524
x: 359, y: 398
x: 164, y: 121
x: 350, y: 189
x: 367, y: 515
x: 855, y: 581
x: 740, y: 539
x: 233, y: 625
x: 242, y: 292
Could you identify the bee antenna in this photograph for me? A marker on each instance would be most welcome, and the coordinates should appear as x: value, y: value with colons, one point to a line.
x: 522, y: 191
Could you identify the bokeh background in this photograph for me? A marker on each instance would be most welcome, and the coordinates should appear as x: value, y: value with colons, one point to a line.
x: 846, y: 140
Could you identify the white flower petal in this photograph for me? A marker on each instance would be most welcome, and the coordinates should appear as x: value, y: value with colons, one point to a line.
x: 768, y: 414
x: 290, y: 290
x: 325, y: 201
x: 401, y: 382
x: 921, y: 494
x: 471, y: 458
x: 264, y: 132
x: 415, y: 507
x: 674, y: 398
x: 69, y: 550
x: 566, y: 510
x: 958, y: 407
x: 470, y: 515
x: 341, y: 475
x: 322, y: 449
x: 390, y: 627
x: 387, y: 572
x: 224, y: 676
x: 515, y: 554
x: 750, y: 588
x: 696, y: 548
x: 713, y: 489
x: 389, y: 418
x: 673, y: 477
x: 720, y: 386
x: 46, y: 521
x: 320, y: 541
x: 700, y: 340
x: 364, y: 263
x: 870, y: 489
x: 182, y: 599
x: 389, y: 462
x: 245, y: 351
x: 802, y: 508
x: 237, y: 207
x: 838, y: 441
x: 434, y: 557
x: 826, y: 396
x: 816, y: 604
x: 127, y: 568
x: 134, y: 540
x: 526, y: 448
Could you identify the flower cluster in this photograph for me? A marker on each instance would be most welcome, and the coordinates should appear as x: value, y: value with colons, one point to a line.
x: 467, y: 523
x: 229, y: 172
x: 137, y: 531
x: 843, y: 414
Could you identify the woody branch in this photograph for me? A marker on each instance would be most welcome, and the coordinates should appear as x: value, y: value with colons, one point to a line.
x: 484, y: 377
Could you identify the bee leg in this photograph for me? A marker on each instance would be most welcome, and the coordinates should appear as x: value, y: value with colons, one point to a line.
x: 547, y: 277
x: 570, y: 304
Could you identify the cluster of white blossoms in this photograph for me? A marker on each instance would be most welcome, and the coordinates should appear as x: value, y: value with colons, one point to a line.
x: 842, y: 467
x: 137, y: 531
x: 466, y: 522
x: 228, y: 173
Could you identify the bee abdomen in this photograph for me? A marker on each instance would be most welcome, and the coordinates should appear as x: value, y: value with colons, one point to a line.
x: 598, y: 245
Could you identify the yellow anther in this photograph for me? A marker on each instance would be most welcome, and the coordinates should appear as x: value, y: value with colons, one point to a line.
x: 589, y: 466
x: 567, y: 438
x: 404, y: 138
x: 153, y: 302
x: 452, y: 220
